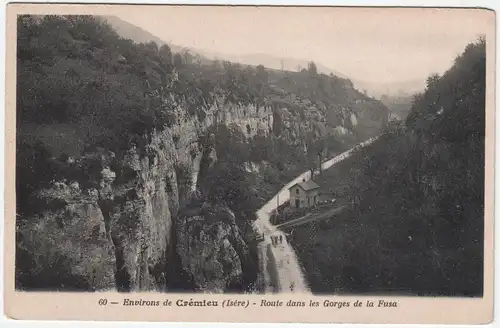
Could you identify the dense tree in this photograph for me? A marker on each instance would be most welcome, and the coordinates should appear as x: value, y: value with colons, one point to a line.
x: 311, y: 67
x: 165, y: 53
x: 178, y: 61
x: 431, y: 80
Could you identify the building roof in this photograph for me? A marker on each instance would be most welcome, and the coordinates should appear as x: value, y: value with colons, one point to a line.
x: 306, y: 185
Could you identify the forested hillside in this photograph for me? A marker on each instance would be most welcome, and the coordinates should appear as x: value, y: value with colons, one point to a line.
x: 131, y: 152
x: 418, y: 220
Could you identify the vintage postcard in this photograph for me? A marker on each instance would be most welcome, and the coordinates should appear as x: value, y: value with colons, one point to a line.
x: 249, y: 164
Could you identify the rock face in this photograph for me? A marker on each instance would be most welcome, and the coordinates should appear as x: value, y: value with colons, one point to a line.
x: 211, y: 250
x: 118, y: 233
x: 297, y: 118
x: 68, y: 247
x: 122, y: 232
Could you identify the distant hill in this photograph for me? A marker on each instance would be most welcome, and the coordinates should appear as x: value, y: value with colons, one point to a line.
x: 399, y: 105
x: 374, y: 89
x: 274, y: 62
x: 135, y: 33
x: 131, y: 31
x: 394, y: 89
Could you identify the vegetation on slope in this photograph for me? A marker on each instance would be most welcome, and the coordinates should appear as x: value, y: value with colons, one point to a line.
x: 418, y: 220
x: 337, y: 96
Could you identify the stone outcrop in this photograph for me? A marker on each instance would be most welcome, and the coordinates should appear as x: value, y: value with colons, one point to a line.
x: 211, y: 249
x: 68, y: 246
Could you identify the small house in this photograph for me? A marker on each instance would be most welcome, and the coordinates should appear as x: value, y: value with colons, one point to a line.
x: 304, y: 194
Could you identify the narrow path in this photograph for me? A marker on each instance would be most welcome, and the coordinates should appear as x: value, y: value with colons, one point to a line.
x: 289, y: 275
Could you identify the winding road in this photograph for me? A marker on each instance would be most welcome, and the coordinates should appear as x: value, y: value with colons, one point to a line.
x: 279, y: 266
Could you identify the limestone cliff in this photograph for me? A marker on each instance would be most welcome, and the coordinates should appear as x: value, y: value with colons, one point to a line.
x: 211, y: 249
x: 117, y: 233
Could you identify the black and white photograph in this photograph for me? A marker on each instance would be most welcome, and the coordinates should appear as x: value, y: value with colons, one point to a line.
x: 275, y: 151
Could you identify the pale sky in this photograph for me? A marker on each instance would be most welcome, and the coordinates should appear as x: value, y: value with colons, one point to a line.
x: 367, y: 44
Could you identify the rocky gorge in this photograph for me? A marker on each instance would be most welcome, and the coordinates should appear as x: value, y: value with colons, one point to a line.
x: 126, y: 224
x: 162, y: 208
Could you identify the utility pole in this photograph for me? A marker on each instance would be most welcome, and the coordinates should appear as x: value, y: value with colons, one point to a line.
x: 278, y: 202
x: 282, y: 65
